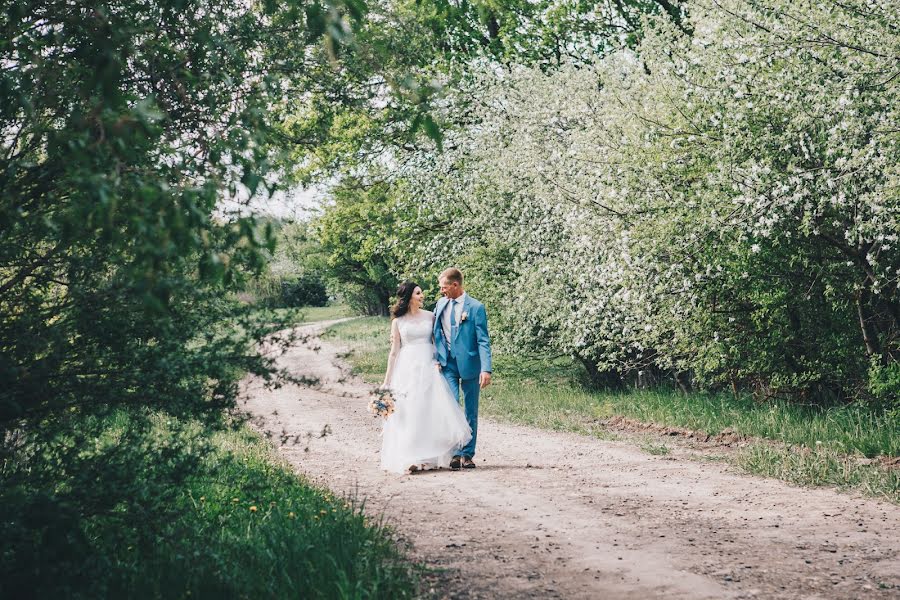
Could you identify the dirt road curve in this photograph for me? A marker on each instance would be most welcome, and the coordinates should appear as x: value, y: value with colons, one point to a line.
x: 555, y: 515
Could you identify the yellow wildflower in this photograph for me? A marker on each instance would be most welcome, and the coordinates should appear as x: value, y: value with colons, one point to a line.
x: 291, y: 515
x: 252, y: 509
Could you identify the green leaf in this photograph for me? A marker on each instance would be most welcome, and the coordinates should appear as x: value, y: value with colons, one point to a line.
x: 315, y: 21
x: 433, y: 131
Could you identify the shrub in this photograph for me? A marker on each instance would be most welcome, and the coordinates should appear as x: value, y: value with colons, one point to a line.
x: 307, y: 290
x: 884, y: 384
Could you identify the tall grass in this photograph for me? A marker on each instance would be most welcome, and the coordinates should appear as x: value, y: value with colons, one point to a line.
x: 549, y: 393
x: 213, y: 515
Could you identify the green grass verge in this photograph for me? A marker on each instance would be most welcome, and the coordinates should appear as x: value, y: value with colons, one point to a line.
x: 237, y: 524
x: 312, y: 314
x: 308, y: 314
x: 548, y: 394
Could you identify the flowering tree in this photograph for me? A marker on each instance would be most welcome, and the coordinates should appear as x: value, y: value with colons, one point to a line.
x: 722, y: 205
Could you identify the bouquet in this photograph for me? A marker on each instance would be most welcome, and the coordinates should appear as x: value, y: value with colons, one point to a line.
x: 382, y: 405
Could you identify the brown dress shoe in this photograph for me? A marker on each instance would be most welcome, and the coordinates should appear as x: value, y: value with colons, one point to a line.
x: 455, y: 462
x: 468, y: 463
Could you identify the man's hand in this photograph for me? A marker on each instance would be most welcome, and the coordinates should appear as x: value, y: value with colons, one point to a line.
x: 438, y: 366
x: 484, y: 380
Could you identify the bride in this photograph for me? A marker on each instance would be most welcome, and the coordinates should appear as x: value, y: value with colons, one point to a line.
x: 427, y: 426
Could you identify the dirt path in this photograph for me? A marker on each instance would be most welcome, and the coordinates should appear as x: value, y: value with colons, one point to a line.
x: 557, y: 515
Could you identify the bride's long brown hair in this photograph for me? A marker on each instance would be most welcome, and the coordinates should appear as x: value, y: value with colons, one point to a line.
x: 404, y: 295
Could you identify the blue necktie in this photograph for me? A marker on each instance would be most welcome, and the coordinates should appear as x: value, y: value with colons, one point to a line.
x: 452, y: 322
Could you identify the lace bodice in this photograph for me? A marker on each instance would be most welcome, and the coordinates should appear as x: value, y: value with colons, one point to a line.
x: 416, y: 330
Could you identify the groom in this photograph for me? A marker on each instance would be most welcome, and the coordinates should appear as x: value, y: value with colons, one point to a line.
x: 462, y: 351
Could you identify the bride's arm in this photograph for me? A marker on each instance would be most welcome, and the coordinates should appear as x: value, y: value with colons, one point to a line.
x: 395, y: 348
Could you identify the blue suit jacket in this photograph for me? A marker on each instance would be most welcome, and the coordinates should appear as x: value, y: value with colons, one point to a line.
x: 472, y: 344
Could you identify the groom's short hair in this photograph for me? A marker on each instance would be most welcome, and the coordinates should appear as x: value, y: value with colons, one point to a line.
x: 452, y: 274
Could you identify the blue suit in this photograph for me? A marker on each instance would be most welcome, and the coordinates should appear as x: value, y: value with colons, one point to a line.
x: 465, y: 357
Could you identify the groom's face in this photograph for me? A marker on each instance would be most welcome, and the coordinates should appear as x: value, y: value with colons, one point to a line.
x: 450, y: 289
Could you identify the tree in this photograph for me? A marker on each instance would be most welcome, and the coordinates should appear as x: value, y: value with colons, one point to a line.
x: 124, y: 124
x: 357, y: 233
x: 720, y: 206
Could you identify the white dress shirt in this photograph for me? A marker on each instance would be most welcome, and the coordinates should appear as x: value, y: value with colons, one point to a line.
x: 445, y: 316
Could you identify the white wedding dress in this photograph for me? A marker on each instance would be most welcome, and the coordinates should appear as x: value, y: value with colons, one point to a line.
x: 428, y: 425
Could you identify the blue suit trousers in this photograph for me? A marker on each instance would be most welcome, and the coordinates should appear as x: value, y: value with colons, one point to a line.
x: 470, y: 390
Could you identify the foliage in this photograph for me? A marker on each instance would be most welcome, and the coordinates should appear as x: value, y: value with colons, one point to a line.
x: 543, y: 33
x: 182, y: 509
x: 409, y: 58
x: 306, y: 290
x: 356, y: 233
x: 123, y: 127
x: 426, y: 52
x: 716, y: 209
x: 884, y: 385
x: 294, y: 272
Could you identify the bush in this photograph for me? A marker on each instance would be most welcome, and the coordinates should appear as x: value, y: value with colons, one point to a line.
x: 307, y: 290
x: 884, y: 384
x: 166, y: 507
x: 644, y: 214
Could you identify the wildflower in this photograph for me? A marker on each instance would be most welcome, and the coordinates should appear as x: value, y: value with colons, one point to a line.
x: 202, y: 498
x: 252, y: 509
x: 291, y: 515
x: 235, y: 500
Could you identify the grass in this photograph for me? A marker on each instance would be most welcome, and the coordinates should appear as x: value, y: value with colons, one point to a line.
x: 309, y: 314
x: 312, y: 314
x: 369, y: 338
x: 237, y: 524
x: 816, y: 446
x: 821, y: 466
x: 651, y: 446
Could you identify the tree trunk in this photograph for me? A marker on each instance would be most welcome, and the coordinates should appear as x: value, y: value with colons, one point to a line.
x: 680, y: 382
x: 870, y: 337
x: 609, y: 380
